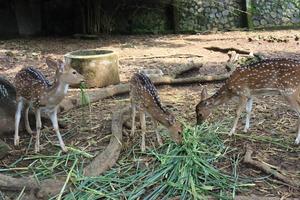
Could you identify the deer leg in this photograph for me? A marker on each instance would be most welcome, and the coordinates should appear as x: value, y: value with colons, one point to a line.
x: 248, y: 110
x: 38, y: 130
x: 17, y: 121
x: 297, y: 141
x: 159, y: 140
x: 143, y: 126
x: 53, y: 118
x: 293, y: 101
x: 241, y: 105
x: 27, y: 125
x: 133, y: 114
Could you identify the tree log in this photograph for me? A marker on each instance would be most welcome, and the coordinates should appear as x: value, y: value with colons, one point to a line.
x: 102, y: 93
x: 47, y: 188
x: 106, y: 159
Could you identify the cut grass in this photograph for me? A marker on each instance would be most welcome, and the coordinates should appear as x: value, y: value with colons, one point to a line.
x: 84, y: 97
x: 187, y: 171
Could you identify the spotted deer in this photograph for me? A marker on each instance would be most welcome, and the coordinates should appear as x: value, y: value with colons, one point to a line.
x: 144, y: 96
x: 7, y: 106
x: 271, y: 76
x: 33, y: 89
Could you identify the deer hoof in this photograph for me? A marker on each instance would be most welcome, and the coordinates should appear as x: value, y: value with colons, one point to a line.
x: 64, y: 149
x: 297, y: 141
x: 231, y: 132
x: 143, y: 148
x: 17, y: 141
x: 36, y: 149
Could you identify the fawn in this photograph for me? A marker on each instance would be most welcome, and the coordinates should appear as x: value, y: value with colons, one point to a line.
x: 144, y: 96
x: 33, y: 89
x: 271, y: 76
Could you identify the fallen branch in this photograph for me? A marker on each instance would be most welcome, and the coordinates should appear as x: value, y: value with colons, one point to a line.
x: 94, y: 95
x: 102, y: 93
x: 226, y: 50
x: 268, y: 169
x: 106, y: 159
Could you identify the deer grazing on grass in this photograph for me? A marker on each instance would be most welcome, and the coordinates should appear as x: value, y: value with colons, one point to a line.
x: 144, y: 96
x: 271, y: 76
x: 33, y: 89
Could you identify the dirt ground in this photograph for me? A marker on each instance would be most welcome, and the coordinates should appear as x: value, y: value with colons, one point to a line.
x: 271, y: 117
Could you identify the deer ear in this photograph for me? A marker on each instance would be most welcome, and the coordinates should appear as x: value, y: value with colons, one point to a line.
x: 204, y: 94
x: 60, y: 65
x: 171, y: 119
x: 51, y: 63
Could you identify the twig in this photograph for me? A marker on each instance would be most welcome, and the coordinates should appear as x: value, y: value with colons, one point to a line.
x: 268, y: 169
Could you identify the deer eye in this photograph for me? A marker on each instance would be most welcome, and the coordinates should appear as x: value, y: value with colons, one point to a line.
x: 74, y: 72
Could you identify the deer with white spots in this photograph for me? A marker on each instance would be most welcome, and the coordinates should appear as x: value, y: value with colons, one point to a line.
x: 271, y: 76
x: 33, y: 89
x: 144, y: 96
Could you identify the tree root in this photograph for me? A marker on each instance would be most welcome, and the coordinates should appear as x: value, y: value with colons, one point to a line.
x: 276, y: 172
x: 106, y: 159
x: 102, y: 93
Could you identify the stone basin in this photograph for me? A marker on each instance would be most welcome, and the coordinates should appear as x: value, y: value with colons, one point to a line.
x: 99, y: 67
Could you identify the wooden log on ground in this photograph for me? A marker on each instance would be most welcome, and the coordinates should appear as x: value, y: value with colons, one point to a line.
x: 102, y: 93
x: 106, y: 159
x: 44, y: 190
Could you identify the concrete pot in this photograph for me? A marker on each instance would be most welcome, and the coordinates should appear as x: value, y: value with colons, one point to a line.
x: 99, y: 67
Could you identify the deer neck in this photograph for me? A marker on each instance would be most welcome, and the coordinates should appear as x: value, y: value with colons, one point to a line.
x: 159, y: 115
x: 220, y: 97
x: 57, y: 92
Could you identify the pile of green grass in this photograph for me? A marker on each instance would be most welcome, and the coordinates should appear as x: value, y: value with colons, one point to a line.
x: 187, y: 171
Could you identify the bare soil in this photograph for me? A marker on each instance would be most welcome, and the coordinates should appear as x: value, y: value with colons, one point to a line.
x: 89, y: 129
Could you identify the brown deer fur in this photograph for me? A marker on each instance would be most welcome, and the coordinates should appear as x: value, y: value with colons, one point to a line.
x: 271, y: 76
x: 34, y: 89
x: 144, y: 96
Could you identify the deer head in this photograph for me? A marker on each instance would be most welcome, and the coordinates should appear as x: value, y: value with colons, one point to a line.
x: 202, y: 109
x: 175, y: 129
x: 64, y: 72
